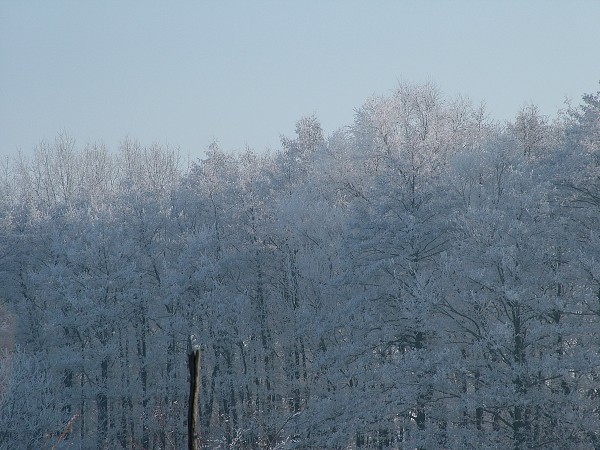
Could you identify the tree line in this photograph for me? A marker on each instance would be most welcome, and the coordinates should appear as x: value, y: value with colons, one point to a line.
x: 425, y: 277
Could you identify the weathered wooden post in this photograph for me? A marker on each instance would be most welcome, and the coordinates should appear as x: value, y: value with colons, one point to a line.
x: 194, y: 366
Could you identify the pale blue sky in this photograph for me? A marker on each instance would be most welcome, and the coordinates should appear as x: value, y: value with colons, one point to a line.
x: 243, y: 72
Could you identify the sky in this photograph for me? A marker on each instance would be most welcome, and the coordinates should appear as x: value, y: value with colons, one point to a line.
x: 187, y: 73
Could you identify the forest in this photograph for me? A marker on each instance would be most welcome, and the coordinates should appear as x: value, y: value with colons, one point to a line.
x: 425, y: 277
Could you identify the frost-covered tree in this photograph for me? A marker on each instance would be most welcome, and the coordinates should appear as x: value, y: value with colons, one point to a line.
x: 531, y: 129
x: 510, y: 311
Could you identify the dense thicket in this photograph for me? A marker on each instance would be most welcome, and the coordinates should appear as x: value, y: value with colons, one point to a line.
x: 424, y: 278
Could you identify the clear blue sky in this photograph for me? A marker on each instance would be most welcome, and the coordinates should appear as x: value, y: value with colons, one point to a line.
x: 243, y: 72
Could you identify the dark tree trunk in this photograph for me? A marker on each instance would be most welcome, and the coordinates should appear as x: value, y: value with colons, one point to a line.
x: 194, y: 366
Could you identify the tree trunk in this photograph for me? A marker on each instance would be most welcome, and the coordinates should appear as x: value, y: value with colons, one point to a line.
x: 194, y: 366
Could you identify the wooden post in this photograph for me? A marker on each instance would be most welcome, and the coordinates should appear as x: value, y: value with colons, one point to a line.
x: 194, y: 366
